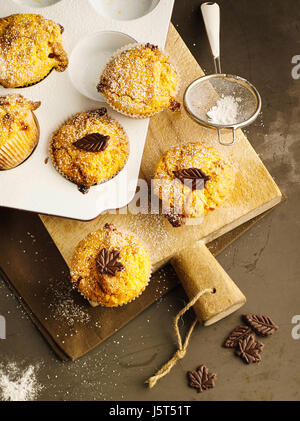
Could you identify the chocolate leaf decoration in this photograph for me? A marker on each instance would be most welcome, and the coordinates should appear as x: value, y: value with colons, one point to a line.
x: 175, y: 220
x: 249, y: 349
x: 238, y: 334
x: 262, y: 325
x: 151, y: 46
x: 175, y: 106
x: 194, y: 178
x: 107, y: 262
x: 99, y: 113
x: 201, y: 379
x: 94, y: 142
x: 83, y: 189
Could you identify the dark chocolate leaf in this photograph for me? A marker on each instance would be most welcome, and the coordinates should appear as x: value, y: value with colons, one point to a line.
x: 175, y: 106
x: 94, y: 142
x: 249, y: 349
x: 201, y: 379
x: 194, y: 178
x: 107, y: 262
x: 239, y: 333
x: 175, y: 219
x: 151, y: 46
x: 100, y: 112
x: 262, y: 325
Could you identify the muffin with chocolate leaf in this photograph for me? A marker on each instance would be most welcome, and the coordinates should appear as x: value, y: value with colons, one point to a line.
x: 192, y: 180
x: 110, y: 268
x: 19, y: 132
x: 30, y: 47
x: 89, y: 149
x: 140, y: 82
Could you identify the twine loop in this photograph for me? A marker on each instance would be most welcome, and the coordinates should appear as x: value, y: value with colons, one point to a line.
x: 182, y: 347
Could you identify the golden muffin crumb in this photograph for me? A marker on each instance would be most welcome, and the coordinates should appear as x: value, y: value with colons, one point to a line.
x: 192, y: 180
x: 30, y: 47
x: 90, y: 148
x: 18, y: 130
x: 110, y: 268
x: 13, y: 111
x: 141, y: 81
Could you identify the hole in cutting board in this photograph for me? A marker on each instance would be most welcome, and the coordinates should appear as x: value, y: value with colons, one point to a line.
x: 89, y: 57
x: 124, y: 9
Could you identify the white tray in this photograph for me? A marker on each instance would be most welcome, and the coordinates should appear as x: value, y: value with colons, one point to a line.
x: 37, y: 187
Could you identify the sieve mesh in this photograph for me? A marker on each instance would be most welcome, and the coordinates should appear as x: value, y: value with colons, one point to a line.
x: 204, y: 93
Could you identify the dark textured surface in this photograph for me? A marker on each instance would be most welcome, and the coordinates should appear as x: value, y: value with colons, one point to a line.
x: 259, y: 40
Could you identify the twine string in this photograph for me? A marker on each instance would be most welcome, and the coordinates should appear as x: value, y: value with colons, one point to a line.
x: 182, y: 347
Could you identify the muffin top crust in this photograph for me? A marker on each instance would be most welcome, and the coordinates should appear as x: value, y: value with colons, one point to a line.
x: 110, y: 268
x: 30, y: 47
x: 192, y: 180
x: 14, y: 110
x: 89, y: 148
x: 140, y: 81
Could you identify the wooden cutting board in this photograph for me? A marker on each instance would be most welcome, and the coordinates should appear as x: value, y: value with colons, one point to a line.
x: 255, y: 190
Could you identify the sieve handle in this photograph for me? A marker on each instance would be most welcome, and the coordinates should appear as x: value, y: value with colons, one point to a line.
x: 211, y: 17
x: 226, y: 143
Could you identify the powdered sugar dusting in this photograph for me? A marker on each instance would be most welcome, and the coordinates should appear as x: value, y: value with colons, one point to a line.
x: 225, y: 111
x: 63, y: 308
x: 69, y: 312
x: 17, y: 384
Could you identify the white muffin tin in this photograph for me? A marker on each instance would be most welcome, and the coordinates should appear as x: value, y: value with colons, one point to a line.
x: 94, y: 29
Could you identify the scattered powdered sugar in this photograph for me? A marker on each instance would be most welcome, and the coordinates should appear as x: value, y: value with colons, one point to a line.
x: 225, y: 111
x: 63, y: 306
x: 68, y: 311
x: 17, y: 384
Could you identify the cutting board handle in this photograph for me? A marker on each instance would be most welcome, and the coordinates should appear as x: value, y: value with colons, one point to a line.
x: 197, y: 269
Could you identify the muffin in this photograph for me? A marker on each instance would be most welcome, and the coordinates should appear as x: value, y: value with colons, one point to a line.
x: 89, y: 149
x: 30, y: 47
x: 140, y: 82
x: 192, y: 180
x: 110, y: 268
x: 19, y: 133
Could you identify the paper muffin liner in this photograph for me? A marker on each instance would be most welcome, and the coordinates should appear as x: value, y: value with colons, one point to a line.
x: 102, y: 182
x: 16, y: 150
x: 96, y: 304
x: 35, y: 83
x: 140, y: 116
x: 30, y: 84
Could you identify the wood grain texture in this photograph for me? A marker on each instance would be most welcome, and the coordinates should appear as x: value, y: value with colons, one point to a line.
x: 198, y: 270
x: 255, y: 190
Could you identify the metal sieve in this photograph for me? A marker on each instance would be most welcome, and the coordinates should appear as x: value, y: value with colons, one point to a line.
x: 204, y: 93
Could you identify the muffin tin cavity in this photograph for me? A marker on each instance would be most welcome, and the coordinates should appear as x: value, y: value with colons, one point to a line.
x: 64, y: 94
x: 89, y: 58
x: 124, y: 9
x: 36, y: 3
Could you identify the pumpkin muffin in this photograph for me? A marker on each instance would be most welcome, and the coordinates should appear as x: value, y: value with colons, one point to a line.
x: 19, y: 133
x: 89, y: 149
x: 30, y: 47
x: 110, y: 268
x: 140, y: 82
x: 192, y: 180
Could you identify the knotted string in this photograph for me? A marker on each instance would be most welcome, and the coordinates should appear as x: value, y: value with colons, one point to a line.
x: 182, y: 347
